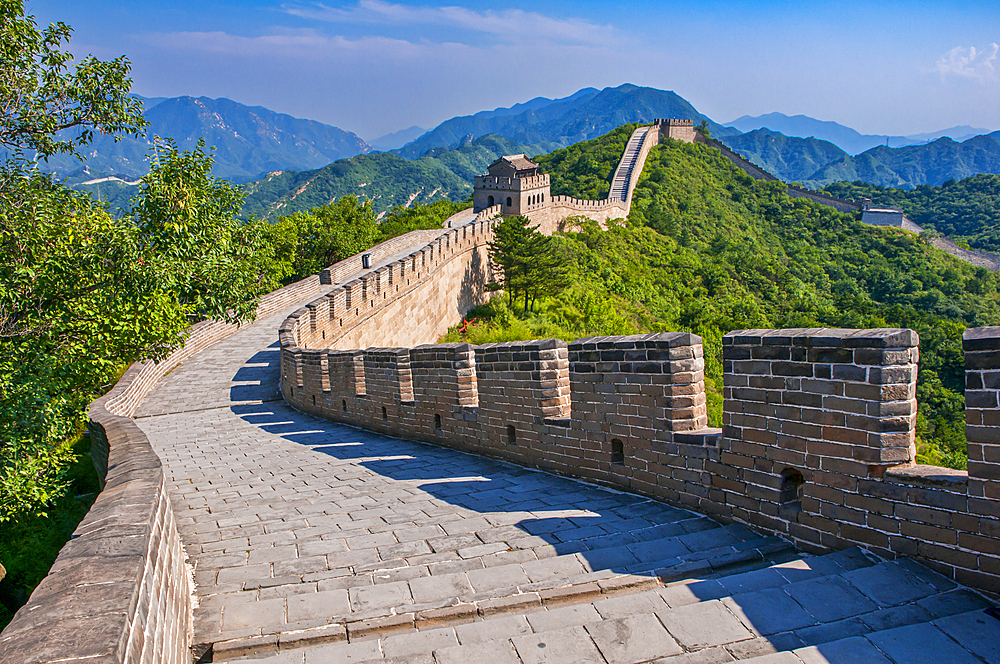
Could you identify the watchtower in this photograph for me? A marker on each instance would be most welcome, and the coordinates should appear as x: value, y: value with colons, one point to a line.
x: 680, y: 129
x: 514, y: 183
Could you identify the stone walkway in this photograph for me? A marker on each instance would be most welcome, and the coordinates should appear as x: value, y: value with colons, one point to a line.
x: 314, y: 542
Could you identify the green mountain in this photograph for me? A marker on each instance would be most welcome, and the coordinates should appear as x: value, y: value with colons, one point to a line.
x: 791, y: 159
x: 966, y: 211
x: 248, y: 140
x: 914, y: 165
x: 386, y: 179
x: 587, y: 114
x: 707, y: 249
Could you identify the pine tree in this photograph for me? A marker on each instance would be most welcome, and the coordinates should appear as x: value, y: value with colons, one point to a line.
x: 526, y: 262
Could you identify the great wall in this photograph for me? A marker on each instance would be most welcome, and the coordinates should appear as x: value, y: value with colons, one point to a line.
x: 347, y: 494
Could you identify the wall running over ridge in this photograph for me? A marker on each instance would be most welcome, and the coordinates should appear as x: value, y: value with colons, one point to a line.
x: 819, y: 424
x: 404, y: 302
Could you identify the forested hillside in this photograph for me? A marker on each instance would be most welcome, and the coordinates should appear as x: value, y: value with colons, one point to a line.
x: 914, y: 165
x: 708, y: 249
x: 967, y: 211
x: 385, y: 179
x: 791, y: 159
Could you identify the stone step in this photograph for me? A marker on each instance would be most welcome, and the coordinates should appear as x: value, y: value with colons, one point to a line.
x: 972, y: 637
x: 811, y: 606
x: 560, y: 590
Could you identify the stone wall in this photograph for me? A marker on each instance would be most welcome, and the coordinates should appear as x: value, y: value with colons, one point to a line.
x: 550, y: 217
x: 430, y: 289
x: 817, y: 443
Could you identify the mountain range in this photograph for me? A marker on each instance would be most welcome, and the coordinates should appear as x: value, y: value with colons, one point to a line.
x: 847, y: 139
x: 817, y: 163
x: 384, y: 178
x: 249, y: 141
x: 278, y: 154
x: 586, y: 114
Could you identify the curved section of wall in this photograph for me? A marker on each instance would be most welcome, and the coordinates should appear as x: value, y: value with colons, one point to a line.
x: 119, y: 590
x: 430, y: 289
x: 817, y: 443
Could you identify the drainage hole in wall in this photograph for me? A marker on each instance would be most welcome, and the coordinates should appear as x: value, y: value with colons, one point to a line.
x: 343, y: 404
x: 437, y: 421
x: 617, y: 452
x: 511, y: 435
x: 385, y: 413
x: 314, y: 399
x: 791, y: 486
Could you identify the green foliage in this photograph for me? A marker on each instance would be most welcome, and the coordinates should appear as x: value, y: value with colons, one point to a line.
x: 42, y: 93
x: 707, y: 249
x: 82, y: 295
x: 307, y: 242
x: 402, y: 220
x: 304, y: 243
x: 966, y: 211
x: 30, y: 546
x: 526, y: 261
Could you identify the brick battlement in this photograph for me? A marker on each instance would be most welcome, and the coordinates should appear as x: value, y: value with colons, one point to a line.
x: 817, y: 443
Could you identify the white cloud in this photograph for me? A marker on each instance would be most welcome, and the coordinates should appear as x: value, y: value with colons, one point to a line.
x: 306, y: 44
x: 967, y: 62
x: 508, y: 24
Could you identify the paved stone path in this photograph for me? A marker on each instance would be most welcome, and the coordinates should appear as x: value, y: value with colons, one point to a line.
x: 314, y: 542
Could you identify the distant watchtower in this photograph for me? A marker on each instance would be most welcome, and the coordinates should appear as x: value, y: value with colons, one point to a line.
x: 682, y: 130
x: 513, y: 183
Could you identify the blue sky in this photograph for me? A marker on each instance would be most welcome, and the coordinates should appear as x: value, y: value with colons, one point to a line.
x: 375, y: 66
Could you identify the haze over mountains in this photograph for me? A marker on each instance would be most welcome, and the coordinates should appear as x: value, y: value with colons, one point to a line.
x: 847, y: 139
x: 586, y: 114
x: 280, y: 154
x: 248, y: 141
x: 816, y: 163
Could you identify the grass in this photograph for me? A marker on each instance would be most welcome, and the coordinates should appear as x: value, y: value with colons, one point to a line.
x: 29, y: 546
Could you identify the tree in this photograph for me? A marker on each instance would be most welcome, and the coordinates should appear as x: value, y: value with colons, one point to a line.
x: 526, y: 262
x: 41, y: 93
x: 703, y: 129
x: 314, y: 240
x: 83, y: 295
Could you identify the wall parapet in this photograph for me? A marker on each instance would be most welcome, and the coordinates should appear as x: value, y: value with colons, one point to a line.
x: 817, y: 443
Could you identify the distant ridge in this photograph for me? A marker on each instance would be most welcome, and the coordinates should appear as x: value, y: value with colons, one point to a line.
x: 249, y: 140
x: 847, y: 139
x: 397, y: 139
x: 586, y: 114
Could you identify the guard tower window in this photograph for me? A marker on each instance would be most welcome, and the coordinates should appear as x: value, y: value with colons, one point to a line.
x: 492, y: 201
x: 508, y: 202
